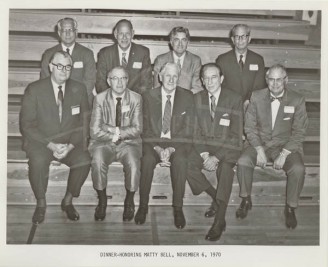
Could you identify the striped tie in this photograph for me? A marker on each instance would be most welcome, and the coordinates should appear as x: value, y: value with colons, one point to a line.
x: 179, y: 65
x: 124, y: 62
x: 167, y: 116
x: 212, y: 107
x: 60, y: 102
x: 241, y: 62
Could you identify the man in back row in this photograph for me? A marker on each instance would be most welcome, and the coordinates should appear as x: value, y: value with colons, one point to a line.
x: 189, y: 64
x: 133, y: 57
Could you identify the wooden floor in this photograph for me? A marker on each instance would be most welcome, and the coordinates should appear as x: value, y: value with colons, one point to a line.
x: 263, y: 226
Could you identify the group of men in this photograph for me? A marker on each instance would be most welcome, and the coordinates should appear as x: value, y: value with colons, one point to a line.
x: 184, y: 116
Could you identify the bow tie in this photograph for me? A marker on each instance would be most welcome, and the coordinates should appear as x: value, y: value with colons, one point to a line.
x: 272, y: 98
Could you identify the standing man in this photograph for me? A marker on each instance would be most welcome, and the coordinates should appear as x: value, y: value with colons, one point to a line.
x: 243, y: 71
x: 84, y: 66
x: 167, y: 136
x: 217, y: 143
x: 115, y: 128
x: 51, y: 120
x: 275, y: 125
x: 133, y: 57
x: 188, y: 63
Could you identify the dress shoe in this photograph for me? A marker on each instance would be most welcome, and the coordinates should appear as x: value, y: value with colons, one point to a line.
x: 128, y: 212
x: 290, y: 217
x: 245, y: 205
x: 39, y: 214
x: 71, y: 212
x: 100, y: 213
x: 179, y: 219
x: 215, y: 231
x: 210, y: 212
x: 141, y: 214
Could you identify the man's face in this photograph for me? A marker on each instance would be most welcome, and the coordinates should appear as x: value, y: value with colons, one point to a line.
x: 179, y: 43
x: 276, y: 80
x: 170, y: 78
x: 212, y: 80
x: 60, y: 76
x: 67, y: 33
x: 124, y: 35
x: 241, y: 39
x: 118, y: 81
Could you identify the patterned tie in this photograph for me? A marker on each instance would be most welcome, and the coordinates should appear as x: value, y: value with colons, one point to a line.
x: 179, y: 64
x: 118, y: 111
x: 67, y: 50
x: 212, y: 107
x: 60, y: 102
x: 167, y: 116
x: 124, y: 61
x: 241, y: 62
x: 272, y: 98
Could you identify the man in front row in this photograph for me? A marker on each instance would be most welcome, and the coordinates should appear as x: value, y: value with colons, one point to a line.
x: 115, y: 128
x: 167, y: 136
x: 275, y: 125
x: 51, y: 121
x: 217, y: 143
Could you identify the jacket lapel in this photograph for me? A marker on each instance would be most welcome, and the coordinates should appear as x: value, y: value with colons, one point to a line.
x: 111, y: 108
x: 131, y: 57
x: 116, y: 56
x: 280, y: 114
x: 51, y: 100
x: 157, y: 110
x: 68, y: 100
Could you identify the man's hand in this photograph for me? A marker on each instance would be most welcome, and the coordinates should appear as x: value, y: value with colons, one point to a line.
x: 115, y: 138
x: 64, y: 152
x: 108, y: 128
x: 261, y: 157
x: 279, y: 162
x: 211, y: 163
x: 56, y: 148
x: 167, y: 153
x: 245, y: 105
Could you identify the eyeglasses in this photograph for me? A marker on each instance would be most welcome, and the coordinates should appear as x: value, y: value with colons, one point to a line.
x: 241, y: 37
x: 278, y: 80
x: 177, y: 40
x: 70, y: 31
x: 116, y: 79
x: 124, y: 34
x: 61, y: 67
x: 208, y: 79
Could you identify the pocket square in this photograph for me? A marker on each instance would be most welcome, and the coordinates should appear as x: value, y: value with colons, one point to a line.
x: 183, y: 113
x: 225, y: 115
x: 286, y: 119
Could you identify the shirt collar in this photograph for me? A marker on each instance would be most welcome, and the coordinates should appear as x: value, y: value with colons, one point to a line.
x: 55, y: 86
x: 238, y: 55
x: 115, y: 95
x: 280, y: 95
x: 175, y: 57
x: 127, y: 51
x: 70, y: 48
x: 164, y: 93
x: 216, y: 95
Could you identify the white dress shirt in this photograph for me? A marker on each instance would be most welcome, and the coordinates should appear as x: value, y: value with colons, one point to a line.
x: 70, y: 48
x: 216, y: 95
x: 127, y: 53
x: 176, y: 58
x: 164, y: 99
x: 238, y: 56
x: 274, y: 108
x: 56, y: 90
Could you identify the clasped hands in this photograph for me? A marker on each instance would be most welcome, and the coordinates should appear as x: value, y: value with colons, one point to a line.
x: 262, y: 159
x: 59, y: 150
x: 165, y: 155
x: 210, y: 163
x: 114, y: 130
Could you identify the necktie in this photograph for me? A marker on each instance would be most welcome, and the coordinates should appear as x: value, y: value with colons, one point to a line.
x: 241, y: 62
x: 179, y: 64
x: 60, y: 102
x: 67, y: 50
x: 212, y: 107
x: 272, y: 98
x: 118, y: 111
x: 167, y: 116
x: 124, y: 61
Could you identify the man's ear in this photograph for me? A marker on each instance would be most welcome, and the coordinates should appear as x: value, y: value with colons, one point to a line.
x: 221, y: 79
x: 51, y: 67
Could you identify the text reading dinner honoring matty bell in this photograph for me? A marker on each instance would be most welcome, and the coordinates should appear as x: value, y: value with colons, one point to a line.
x: 150, y: 254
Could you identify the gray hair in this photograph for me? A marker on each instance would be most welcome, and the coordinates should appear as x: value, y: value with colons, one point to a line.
x: 175, y: 30
x: 118, y: 68
x: 276, y: 67
x: 61, y: 22
x: 63, y: 53
x: 166, y: 65
x: 235, y: 27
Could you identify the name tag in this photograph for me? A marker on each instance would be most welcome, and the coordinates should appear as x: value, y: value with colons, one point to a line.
x: 78, y: 65
x: 75, y: 110
x: 253, y: 67
x: 289, y: 109
x: 125, y: 109
x: 137, y: 65
x: 224, y: 122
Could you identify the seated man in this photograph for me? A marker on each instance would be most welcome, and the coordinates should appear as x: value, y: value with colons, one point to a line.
x: 115, y: 128
x: 217, y: 143
x: 51, y: 120
x: 275, y: 125
x: 167, y: 139
x: 188, y: 63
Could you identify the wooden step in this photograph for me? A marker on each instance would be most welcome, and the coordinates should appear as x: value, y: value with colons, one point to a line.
x: 24, y: 48
x: 161, y: 25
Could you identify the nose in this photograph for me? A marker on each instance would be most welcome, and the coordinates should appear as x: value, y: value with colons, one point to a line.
x: 119, y: 81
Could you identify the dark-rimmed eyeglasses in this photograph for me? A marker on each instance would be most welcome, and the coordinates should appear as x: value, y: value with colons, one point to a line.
x: 241, y: 37
x: 61, y: 67
x: 278, y: 80
x: 116, y: 79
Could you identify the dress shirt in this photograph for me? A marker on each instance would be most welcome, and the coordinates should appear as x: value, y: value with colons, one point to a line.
x: 56, y: 90
x: 164, y: 99
x: 115, y: 101
x: 176, y: 58
x: 216, y: 95
x: 127, y: 53
x: 238, y: 56
x: 70, y: 48
x: 274, y: 108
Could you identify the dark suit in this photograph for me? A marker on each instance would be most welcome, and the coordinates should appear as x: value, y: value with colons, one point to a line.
x: 190, y: 71
x: 181, y: 137
x: 40, y: 124
x: 84, y: 66
x: 245, y: 81
x: 139, y: 67
x: 218, y: 137
x: 288, y: 132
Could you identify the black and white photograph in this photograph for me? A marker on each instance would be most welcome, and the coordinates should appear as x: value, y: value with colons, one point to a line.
x: 167, y: 134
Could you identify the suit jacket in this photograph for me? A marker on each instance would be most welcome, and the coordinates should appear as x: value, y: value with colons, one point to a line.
x: 290, y: 126
x: 181, y: 120
x: 190, y: 72
x: 104, y: 113
x: 245, y: 81
x: 39, y: 117
x: 84, y: 65
x: 139, y: 67
x: 221, y: 137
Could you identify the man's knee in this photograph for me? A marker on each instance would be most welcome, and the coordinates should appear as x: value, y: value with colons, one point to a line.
x: 245, y: 161
x: 298, y: 169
